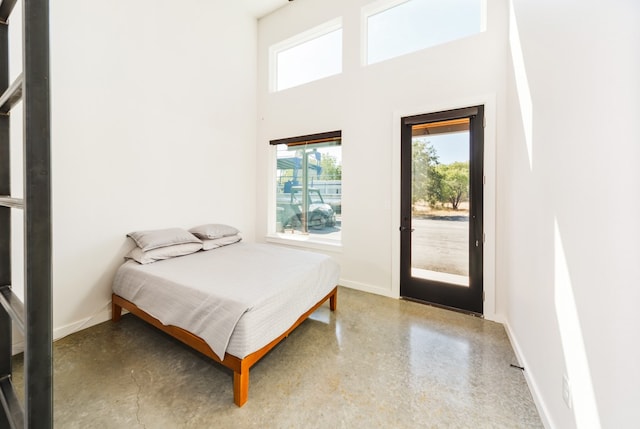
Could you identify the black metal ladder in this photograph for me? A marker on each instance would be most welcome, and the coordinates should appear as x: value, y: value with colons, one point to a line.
x: 34, y: 316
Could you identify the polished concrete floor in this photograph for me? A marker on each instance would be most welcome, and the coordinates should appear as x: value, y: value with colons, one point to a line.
x: 374, y: 363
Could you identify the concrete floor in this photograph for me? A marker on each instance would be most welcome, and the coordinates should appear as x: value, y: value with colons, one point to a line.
x: 374, y: 363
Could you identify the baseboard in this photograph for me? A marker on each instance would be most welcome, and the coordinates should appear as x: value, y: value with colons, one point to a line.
x: 533, y: 386
x: 498, y: 318
x: 100, y: 316
x: 17, y: 348
x: 367, y: 288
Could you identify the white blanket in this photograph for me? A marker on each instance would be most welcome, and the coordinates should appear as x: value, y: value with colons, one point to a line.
x: 206, y: 293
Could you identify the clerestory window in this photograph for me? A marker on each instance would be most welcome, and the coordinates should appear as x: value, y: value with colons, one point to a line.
x: 399, y: 27
x: 306, y: 57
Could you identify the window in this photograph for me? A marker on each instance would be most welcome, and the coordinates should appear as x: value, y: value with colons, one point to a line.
x: 400, y: 27
x: 306, y: 57
x: 309, y: 186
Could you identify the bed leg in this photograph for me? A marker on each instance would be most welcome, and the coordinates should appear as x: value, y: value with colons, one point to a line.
x: 116, y: 312
x: 333, y: 300
x: 241, y: 387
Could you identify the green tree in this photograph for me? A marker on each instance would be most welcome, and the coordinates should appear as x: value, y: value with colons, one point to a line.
x: 425, y: 179
x: 331, y: 170
x: 455, y: 183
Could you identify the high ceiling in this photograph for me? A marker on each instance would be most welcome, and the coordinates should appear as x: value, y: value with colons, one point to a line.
x: 260, y: 8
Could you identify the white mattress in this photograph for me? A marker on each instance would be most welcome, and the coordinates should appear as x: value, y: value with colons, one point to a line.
x: 237, y: 298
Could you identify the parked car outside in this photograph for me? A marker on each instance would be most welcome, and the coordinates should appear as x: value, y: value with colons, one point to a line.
x: 290, y: 212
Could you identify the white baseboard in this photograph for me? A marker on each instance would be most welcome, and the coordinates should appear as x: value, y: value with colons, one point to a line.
x: 100, y: 316
x: 17, y: 348
x: 498, y: 318
x: 367, y: 288
x: 533, y: 386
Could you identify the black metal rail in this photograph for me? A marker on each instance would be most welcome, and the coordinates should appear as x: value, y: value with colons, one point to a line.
x: 34, y: 316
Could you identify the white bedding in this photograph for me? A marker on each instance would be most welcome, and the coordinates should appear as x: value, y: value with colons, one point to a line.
x: 237, y: 298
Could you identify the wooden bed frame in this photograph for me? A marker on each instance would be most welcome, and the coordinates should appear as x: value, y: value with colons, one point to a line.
x: 240, y: 367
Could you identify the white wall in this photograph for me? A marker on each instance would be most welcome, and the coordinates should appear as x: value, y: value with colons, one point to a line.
x: 153, y: 126
x: 151, y: 102
x: 568, y: 204
x: 366, y: 103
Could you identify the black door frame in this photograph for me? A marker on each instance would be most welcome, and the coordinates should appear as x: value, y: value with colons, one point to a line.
x: 469, y: 299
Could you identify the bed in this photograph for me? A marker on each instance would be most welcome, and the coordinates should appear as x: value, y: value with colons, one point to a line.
x: 233, y: 303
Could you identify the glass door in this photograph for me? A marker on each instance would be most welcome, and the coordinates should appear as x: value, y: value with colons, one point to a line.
x: 441, y: 230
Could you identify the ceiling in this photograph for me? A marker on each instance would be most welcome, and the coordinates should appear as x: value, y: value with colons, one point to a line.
x: 260, y: 8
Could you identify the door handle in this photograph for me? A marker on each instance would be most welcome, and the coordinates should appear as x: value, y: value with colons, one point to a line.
x: 405, y: 228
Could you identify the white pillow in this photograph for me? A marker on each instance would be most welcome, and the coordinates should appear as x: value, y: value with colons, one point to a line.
x: 214, y: 243
x: 213, y: 230
x: 161, y: 253
x: 153, y: 239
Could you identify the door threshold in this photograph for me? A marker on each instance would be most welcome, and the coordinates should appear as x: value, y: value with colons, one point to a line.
x: 444, y: 307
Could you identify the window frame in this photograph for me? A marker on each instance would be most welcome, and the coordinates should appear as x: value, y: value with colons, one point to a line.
x: 314, y: 241
x: 299, y: 39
